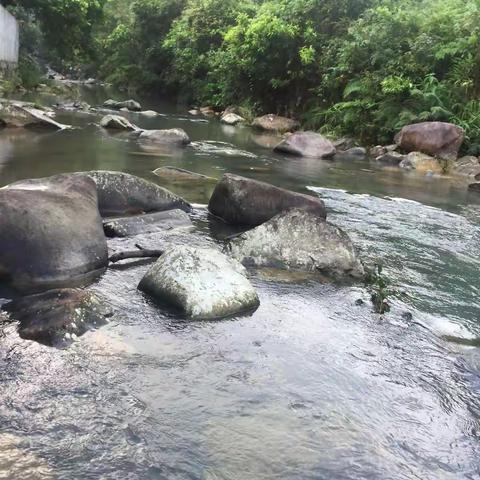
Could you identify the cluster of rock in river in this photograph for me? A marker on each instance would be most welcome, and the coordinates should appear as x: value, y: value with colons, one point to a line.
x: 54, y: 240
x: 54, y: 230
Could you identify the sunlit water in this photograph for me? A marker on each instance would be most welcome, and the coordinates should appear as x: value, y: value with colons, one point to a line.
x: 311, y: 386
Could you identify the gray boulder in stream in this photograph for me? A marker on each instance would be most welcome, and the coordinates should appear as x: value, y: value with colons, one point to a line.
x: 117, y: 122
x: 57, y: 316
x: 120, y: 193
x: 172, y: 136
x: 130, y: 105
x: 306, y: 144
x: 243, y: 201
x: 148, y: 223
x: 298, y: 240
x: 202, y: 283
x: 51, y: 233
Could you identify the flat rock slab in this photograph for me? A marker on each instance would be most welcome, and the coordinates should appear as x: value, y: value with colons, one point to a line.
x: 149, y: 223
x: 51, y: 232
x: 57, y: 316
x: 175, y: 174
x: 22, y: 115
x: 202, y: 283
x: 307, y: 144
x: 120, y: 193
x: 298, y: 240
x: 243, y: 201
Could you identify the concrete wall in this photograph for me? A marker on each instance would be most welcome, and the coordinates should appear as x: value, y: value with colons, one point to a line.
x: 8, y: 40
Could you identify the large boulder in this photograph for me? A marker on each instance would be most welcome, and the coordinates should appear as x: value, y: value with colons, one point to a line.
x: 57, y: 316
x: 51, y: 233
x: 116, y: 122
x: 148, y: 223
x: 19, y: 114
x: 130, y: 105
x: 275, y: 123
x: 439, y: 139
x: 124, y: 194
x: 306, y: 144
x: 298, y: 240
x: 421, y: 162
x: 201, y: 283
x: 243, y: 201
x: 172, y: 136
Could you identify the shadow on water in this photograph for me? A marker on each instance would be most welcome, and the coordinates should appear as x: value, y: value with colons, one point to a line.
x: 311, y: 386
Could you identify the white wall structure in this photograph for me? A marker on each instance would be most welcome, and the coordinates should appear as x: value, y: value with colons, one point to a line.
x: 8, y: 39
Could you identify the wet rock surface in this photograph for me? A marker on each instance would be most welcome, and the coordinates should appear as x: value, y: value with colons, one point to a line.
x: 148, y: 223
x: 175, y: 174
x: 243, y: 201
x: 58, y: 316
x: 51, y: 232
x: 421, y: 162
x: 122, y: 194
x: 200, y: 283
x: 130, y: 105
x: 298, y: 240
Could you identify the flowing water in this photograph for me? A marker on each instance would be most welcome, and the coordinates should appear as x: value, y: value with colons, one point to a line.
x: 313, y: 385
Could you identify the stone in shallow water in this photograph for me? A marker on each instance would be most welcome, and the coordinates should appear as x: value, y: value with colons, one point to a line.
x: 172, y: 136
x: 243, y: 201
x: 307, y: 144
x: 275, y: 123
x: 116, y: 122
x: 202, y: 283
x: 175, y: 174
x: 120, y: 193
x: 130, y: 105
x: 298, y: 240
x: 232, y: 119
x: 57, y: 316
x: 51, y: 233
x: 149, y: 223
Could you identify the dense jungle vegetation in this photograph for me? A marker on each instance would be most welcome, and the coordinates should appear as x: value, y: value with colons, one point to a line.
x: 359, y: 67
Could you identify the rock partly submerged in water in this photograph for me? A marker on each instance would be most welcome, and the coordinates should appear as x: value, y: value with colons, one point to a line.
x: 20, y: 114
x: 148, y: 223
x: 390, y: 158
x: 298, y: 240
x: 231, y: 118
x: 243, y: 201
x: 172, y: 136
x: 438, y: 139
x: 175, y: 174
x: 56, y: 316
x: 275, y: 123
x: 117, y: 122
x: 468, y: 166
x: 201, y: 283
x: 307, y: 144
x: 51, y: 233
x: 130, y: 105
x: 421, y: 163
x: 474, y: 187
x: 120, y: 193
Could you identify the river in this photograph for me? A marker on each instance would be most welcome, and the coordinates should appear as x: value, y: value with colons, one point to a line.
x: 313, y: 385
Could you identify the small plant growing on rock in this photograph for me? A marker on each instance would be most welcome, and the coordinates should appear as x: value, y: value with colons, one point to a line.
x: 379, y: 288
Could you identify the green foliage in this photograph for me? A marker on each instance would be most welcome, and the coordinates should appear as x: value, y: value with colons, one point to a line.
x: 380, y: 290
